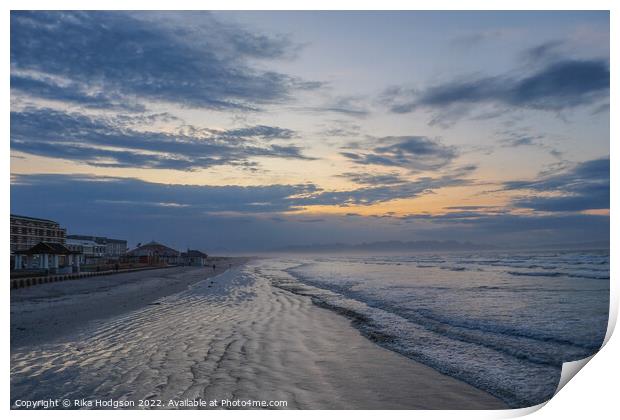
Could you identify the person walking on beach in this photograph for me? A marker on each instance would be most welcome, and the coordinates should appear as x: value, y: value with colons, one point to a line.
x: 213, y: 267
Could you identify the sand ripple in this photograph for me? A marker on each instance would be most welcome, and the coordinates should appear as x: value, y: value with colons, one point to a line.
x: 233, y: 336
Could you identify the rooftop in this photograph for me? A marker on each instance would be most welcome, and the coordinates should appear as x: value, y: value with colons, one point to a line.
x: 36, y: 219
x: 98, y: 239
x: 153, y: 248
x: 194, y: 253
x: 47, y: 248
x: 87, y: 242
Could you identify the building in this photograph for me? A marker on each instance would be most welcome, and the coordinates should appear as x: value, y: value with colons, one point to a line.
x: 26, y: 232
x: 90, y: 252
x: 194, y: 257
x: 113, y: 248
x: 155, y: 253
x: 48, y: 257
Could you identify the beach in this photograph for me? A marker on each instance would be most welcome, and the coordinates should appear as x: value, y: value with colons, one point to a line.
x: 46, y: 312
x: 186, y: 333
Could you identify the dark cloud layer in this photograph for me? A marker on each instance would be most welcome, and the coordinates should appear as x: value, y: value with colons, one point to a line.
x: 233, y: 217
x: 110, y: 59
x: 557, y: 85
x: 72, y: 93
x: 583, y: 187
x: 129, y: 194
x: 409, y: 152
x: 108, y: 142
x: 200, y: 199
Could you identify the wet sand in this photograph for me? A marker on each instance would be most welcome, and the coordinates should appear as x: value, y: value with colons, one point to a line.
x: 233, y: 336
x: 46, y: 312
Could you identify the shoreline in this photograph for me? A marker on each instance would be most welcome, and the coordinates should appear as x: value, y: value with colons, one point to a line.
x: 235, y: 337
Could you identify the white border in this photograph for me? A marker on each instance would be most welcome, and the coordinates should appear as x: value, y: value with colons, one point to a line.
x: 311, y: 5
x: 593, y: 394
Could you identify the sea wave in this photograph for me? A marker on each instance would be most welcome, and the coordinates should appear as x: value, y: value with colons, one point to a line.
x: 501, y: 332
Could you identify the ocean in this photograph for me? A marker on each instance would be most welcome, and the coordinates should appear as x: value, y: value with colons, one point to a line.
x: 503, y: 322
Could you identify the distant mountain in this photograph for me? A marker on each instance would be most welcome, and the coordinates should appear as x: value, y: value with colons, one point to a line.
x: 385, y: 246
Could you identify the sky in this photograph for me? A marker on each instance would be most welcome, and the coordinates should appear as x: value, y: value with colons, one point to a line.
x: 252, y: 131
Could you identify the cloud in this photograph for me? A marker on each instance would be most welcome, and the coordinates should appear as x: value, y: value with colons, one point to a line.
x: 601, y: 109
x: 374, y: 179
x: 130, y: 195
x: 111, y: 143
x: 473, y: 39
x: 260, y: 132
x: 351, y: 106
x: 385, y: 187
x: 108, y: 59
x: 398, y: 99
x: 547, y: 51
x: 254, y: 217
x: 583, y: 187
x: 379, y: 194
x: 563, y: 84
x: 204, y: 217
x: 557, y: 84
x: 410, y: 152
x: 470, y: 207
x: 71, y: 93
x: 340, y: 128
x: 520, y: 137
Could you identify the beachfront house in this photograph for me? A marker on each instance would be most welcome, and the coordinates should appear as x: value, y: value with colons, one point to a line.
x: 48, y: 258
x: 154, y: 253
x: 194, y: 257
